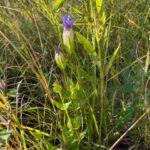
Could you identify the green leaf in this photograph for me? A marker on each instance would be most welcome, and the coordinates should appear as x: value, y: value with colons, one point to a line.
x: 4, y: 135
x: 112, y: 58
x: 147, y: 63
x: 100, y: 30
x: 36, y: 134
x: 98, y: 5
x: 103, y: 17
x: 58, y: 4
x: 48, y: 145
x: 61, y: 106
x: 74, y: 91
x: 57, y: 87
x: 76, y: 121
x: 77, y: 11
x: 12, y: 93
x: 87, y: 45
x: 82, y: 135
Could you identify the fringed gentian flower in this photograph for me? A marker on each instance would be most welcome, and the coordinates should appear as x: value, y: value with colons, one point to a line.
x: 68, y: 35
x: 60, y: 59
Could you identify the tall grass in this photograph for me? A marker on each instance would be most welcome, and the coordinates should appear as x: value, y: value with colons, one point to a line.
x: 101, y: 99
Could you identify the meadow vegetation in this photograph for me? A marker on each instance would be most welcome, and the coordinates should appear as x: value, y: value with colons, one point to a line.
x: 98, y: 100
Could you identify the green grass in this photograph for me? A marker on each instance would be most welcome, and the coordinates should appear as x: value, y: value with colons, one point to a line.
x: 100, y: 100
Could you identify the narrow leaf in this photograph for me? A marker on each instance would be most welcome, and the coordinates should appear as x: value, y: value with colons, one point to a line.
x: 62, y: 106
x: 12, y: 92
x: 36, y: 134
x: 77, y: 10
x: 147, y: 63
x: 87, y: 45
x: 98, y: 5
x: 112, y: 58
x: 58, y: 4
x: 57, y: 88
x: 4, y: 135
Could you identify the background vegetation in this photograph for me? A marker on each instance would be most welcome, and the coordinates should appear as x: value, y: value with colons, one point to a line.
x: 100, y: 101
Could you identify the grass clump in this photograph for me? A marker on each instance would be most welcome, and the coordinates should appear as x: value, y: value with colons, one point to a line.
x: 96, y: 97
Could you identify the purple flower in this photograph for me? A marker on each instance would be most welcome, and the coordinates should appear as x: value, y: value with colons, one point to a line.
x: 67, y: 23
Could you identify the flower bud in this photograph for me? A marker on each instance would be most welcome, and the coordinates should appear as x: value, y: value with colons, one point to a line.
x: 60, y: 59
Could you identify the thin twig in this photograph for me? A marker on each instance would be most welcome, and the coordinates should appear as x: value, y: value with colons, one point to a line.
x: 129, y: 129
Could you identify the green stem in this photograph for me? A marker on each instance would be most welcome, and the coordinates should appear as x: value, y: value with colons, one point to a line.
x: 101, y: 91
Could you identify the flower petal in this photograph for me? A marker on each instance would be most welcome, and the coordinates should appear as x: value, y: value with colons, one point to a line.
x: 67, y: 23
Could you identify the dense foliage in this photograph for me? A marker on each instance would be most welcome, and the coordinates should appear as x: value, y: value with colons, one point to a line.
x: 89, y: 91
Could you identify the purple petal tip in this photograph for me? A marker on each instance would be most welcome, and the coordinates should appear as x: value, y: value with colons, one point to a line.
x: 67, y: 23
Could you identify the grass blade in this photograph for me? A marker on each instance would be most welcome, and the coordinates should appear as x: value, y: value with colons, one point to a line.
x: 112, y: 58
